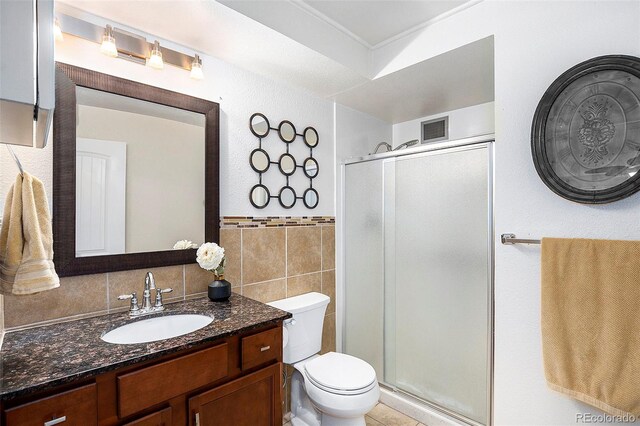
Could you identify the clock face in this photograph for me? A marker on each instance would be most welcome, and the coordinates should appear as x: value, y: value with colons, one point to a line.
x: 586, y: 134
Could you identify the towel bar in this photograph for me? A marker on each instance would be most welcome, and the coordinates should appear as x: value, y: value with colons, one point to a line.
x: 508, y: 239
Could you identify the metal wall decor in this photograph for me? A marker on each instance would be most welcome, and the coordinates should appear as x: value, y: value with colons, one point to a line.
x: 585, y: 138
x: 286, y: 163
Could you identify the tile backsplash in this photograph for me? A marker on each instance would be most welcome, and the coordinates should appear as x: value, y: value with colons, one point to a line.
x: 267, y: 259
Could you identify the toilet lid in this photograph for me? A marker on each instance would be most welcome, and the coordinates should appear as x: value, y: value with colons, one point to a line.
x: 340, y: 373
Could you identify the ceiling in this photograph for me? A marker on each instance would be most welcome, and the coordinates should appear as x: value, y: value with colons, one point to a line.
x: 324, y: 46
x: 459, y: 78
x: 374, y: 22
x: 208, y: 27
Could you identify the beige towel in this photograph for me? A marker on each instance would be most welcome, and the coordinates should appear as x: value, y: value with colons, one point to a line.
x: 26, y: 240
x: 591, y: 321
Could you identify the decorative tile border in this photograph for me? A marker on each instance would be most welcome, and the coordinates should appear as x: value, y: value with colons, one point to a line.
x: 274, y: 221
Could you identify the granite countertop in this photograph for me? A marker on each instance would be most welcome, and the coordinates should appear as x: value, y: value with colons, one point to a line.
x: 43, y: 357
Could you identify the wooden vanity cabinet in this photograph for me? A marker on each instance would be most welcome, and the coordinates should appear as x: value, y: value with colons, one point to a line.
x: 252, y: 400
x: 234, y: 381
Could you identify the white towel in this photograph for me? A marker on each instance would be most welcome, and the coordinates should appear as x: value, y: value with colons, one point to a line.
x: 26, y: 240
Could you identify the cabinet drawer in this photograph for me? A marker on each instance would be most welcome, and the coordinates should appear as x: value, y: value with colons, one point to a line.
x: 159, y: 418
x: 77, y: 407
x: 152, y: 385
x: 261, y: 348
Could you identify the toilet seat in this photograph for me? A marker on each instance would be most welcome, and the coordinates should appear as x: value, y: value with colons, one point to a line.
x: 340, y: 374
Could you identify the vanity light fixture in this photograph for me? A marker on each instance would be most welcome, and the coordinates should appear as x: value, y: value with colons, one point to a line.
x: 131, y: 46
x: 196, y: 68
x: 57, y: 31
x: 155, y: 60
x: 108, y: 46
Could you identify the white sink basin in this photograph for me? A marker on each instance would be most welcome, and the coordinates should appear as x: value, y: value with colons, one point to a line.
x: 157, y: 328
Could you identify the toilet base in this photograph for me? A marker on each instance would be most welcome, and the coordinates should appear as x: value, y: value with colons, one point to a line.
x: 304, y: 413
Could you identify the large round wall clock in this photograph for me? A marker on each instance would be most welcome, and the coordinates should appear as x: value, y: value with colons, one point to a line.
x: 586, y: 131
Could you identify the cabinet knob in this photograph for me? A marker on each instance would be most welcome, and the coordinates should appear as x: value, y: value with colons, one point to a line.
x: 265, y: 348
x: 56, y: 421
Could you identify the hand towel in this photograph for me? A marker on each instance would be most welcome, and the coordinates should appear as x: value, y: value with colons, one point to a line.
x: 26, y: 240
x: 591, y: 323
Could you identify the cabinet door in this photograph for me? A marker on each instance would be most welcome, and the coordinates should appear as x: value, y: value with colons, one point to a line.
x: 252, y: 400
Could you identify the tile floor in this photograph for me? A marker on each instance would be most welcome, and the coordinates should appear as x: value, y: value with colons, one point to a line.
x: 381, y: 415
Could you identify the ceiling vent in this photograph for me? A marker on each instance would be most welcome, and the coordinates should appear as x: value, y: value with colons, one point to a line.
x: 435, y: 130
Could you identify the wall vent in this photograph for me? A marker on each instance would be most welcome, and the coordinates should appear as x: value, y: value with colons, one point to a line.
x: 435, y: 130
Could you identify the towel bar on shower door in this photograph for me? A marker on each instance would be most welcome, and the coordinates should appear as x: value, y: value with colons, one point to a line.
x: 511, y: 239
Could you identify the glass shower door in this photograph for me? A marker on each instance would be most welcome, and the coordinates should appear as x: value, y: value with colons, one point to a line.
x: 437, y: 278
x: 364, y: 263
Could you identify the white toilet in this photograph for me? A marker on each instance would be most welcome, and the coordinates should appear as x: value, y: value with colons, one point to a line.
x: 330, y: 389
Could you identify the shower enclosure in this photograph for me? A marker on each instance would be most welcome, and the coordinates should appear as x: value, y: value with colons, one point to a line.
x: 417, y: 247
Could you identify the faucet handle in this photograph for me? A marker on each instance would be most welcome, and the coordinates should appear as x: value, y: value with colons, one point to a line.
x: 133, y: 307
x: 159, y: 293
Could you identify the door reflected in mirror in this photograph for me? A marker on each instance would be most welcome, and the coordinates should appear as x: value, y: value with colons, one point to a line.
x: 140, y: 175
x: 259, y: 196
x: 287, y: 197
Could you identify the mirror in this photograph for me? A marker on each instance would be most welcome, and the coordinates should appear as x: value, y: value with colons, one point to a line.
x: 259, y: 125
x: 259, y: 160
x: 287, y: 131
x: 310, y: 137
x: 310, y: 167
x: 287, y: 197
x: 310, y: 198
x: 287, y: 164
x: 259, y: 196
x: 136, y: 171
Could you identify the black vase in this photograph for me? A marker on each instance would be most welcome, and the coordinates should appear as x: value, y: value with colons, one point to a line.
x: 219, y: 290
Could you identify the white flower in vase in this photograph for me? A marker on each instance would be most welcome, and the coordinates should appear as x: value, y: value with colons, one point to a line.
x: 210, y: 257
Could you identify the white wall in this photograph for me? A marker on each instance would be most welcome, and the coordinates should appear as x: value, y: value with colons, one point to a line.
x: 240, y: 94
x: 357, y: 133
x: 463, y: 123
x: 534, y: 43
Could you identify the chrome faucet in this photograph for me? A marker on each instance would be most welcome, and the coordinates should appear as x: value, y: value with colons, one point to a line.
x: 147, y: 307
x: 149, y: 284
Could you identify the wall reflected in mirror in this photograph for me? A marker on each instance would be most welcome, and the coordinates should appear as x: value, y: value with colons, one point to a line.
x: 310, y: 198
x: 287, y: 197
x: 310, y: 167
x: 259, y: 125
x: 259, y: 160
x: 259, y: 196
x: 140, y: 175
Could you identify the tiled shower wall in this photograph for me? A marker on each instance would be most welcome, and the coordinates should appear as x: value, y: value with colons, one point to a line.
x: 267, y: 259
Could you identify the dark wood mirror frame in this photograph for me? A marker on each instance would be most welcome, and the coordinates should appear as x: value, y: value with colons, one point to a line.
x: 68, y: 77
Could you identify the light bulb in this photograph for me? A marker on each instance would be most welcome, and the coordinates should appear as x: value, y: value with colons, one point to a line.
x: 57, y: 31
x: 155, y: 60
x: 108, y: 46
x: 196, y: 68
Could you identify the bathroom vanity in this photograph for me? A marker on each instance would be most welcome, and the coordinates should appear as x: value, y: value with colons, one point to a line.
x: 226, y: 373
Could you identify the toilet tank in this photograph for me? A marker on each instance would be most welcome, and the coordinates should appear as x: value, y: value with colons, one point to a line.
x: 303, y: 333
